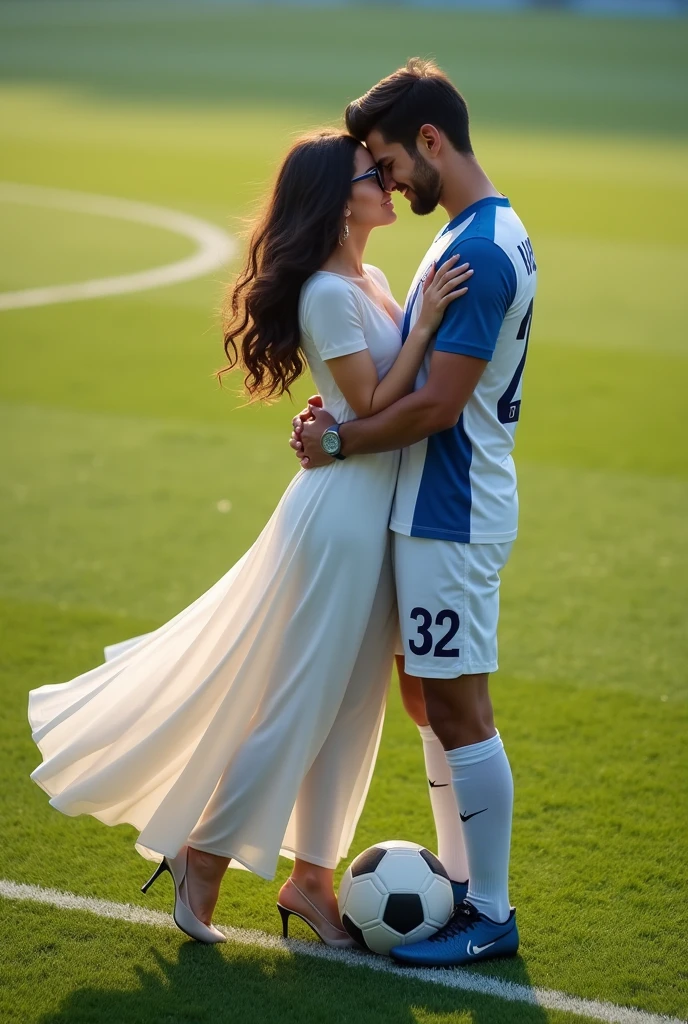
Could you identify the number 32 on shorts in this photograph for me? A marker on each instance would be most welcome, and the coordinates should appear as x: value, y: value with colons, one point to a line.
x: 423, y: 644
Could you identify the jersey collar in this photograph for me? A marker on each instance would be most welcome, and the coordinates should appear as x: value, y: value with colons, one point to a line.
x: 470, y: 210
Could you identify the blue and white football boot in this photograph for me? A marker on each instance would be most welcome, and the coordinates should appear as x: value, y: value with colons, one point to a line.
x: 460, y: 890
x: 467, y: 937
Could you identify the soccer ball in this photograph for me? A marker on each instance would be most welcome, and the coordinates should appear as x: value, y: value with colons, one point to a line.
x: 393, y: 894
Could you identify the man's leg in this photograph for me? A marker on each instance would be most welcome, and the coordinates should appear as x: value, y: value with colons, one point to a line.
x: 448, y: 598
x: 460, y: 713
x: 450, y: 845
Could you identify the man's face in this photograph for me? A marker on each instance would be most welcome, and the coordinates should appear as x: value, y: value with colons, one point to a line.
x: 413, y: 176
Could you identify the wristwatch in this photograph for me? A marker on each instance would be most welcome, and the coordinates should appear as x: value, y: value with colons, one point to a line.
x: 331, y: 442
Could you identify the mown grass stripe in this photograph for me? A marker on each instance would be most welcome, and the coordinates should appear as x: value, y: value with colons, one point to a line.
x: 459, y: 979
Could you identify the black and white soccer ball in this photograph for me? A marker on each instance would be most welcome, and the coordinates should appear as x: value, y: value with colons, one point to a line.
x: 393, y: 894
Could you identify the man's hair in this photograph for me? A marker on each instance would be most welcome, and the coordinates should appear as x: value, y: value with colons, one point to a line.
x: 402, y: 103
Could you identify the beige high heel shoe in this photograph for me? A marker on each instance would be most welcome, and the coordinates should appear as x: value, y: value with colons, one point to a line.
x: 184, y: 917
x: 324, y: 929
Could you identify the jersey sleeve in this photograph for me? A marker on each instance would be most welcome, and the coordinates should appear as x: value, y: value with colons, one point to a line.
x: 331, y: 317
x: 471, y: 323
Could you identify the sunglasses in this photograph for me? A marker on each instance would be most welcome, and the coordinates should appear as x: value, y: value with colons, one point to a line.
x: 374, y: 172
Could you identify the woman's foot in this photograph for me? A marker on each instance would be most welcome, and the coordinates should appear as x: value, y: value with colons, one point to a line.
x: 184, y: 917
x: 205, y: 872
x: 316, y: 904
x: 296, y: 897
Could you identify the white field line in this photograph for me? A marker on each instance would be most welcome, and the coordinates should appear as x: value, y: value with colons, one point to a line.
x: 214, y: 246
x: 457, y: 978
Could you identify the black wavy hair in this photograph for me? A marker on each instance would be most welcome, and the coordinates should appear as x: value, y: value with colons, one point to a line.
x: 297, y: 232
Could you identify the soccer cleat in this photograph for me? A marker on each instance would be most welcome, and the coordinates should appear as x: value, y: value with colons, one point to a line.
x: 467, y: 937
x: 460, y: 890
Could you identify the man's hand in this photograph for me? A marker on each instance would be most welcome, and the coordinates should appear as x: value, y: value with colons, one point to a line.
x: 309, y: 426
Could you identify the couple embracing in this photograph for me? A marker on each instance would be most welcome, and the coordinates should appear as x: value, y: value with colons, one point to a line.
x: 248, y: 725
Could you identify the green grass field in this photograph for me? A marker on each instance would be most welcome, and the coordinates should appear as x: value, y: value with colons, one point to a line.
x: 118, y: 447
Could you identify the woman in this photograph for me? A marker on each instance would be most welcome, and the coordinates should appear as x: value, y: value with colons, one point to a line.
x: 248, y: 725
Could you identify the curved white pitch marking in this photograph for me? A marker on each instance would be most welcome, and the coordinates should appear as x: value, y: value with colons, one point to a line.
x: 215, y: 246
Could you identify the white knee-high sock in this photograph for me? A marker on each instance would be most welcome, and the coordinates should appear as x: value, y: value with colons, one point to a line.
x: 450, y: 846
x: 484, y: 790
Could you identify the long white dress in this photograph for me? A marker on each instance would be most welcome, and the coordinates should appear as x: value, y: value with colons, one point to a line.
x: 248, y: 725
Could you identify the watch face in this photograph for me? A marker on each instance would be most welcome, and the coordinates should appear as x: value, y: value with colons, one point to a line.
x: 330, y: 442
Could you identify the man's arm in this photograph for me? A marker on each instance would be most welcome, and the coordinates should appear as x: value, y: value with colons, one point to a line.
x: 436, y: 406
x: 464, y: 344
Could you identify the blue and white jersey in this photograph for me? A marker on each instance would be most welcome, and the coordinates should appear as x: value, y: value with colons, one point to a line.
x: 460, y: 484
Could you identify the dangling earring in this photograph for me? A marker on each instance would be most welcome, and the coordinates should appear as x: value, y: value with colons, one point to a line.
x: 344, y: 233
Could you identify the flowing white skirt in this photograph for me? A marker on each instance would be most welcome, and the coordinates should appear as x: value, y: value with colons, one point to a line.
x: 273, y: 681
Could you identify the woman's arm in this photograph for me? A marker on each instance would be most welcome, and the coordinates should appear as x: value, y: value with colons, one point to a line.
x: 356, y: 376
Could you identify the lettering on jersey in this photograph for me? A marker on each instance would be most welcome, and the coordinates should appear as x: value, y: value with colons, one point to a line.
x: 508, y: 410
x: 528, y: 256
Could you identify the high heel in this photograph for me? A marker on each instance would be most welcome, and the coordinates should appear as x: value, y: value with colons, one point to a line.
x: 160, y: 870
x: 328, y: 933
x: 184, y: 917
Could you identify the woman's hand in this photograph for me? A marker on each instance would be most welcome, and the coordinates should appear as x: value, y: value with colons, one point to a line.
x: 305, y: 439
x: 439, y: 289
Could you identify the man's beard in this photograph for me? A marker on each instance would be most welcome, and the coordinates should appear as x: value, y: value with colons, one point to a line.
x: 426, y: 185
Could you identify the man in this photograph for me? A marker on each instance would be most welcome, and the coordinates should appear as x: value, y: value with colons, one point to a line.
x: 456, y: 510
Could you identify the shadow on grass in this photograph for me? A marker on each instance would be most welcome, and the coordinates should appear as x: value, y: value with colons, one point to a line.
x: 203, y: 985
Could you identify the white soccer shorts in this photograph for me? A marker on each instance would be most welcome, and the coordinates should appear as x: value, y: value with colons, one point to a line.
x: 448, y: 597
